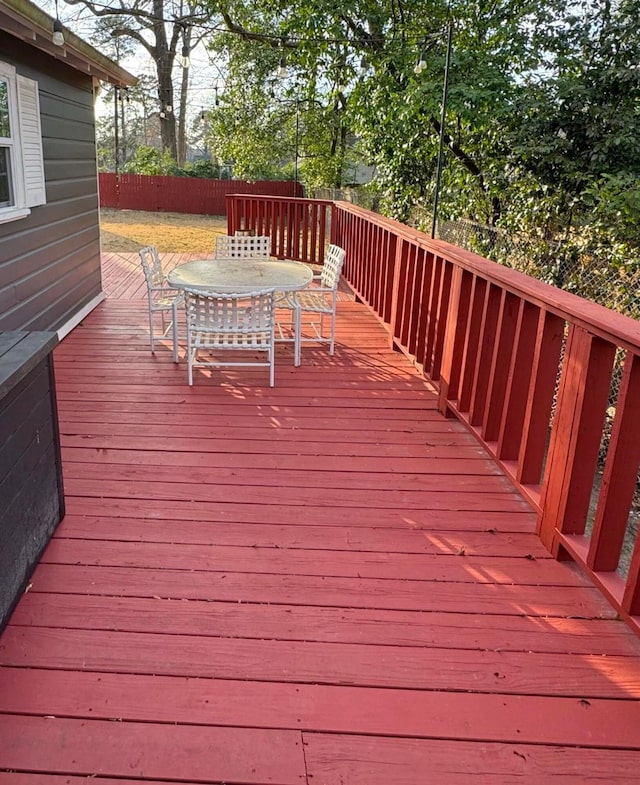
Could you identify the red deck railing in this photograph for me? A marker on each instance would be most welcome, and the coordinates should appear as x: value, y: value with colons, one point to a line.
x: 526, y: 366
x: 299, y: 228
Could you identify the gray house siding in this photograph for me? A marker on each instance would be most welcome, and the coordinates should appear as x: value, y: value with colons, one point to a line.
x: 50, y: 260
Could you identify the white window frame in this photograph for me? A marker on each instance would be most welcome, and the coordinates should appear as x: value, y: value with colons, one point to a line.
x: 24, y: 146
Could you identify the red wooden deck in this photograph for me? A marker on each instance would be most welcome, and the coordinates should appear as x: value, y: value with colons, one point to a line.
x: 324, y: 583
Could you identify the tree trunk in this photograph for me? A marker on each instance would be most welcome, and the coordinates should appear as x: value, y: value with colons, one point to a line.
x: 164, y: 66
x: 182, y: 114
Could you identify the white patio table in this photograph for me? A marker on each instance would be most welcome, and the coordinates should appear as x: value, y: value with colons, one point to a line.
x: 244, y: 275
x: 241, y: 275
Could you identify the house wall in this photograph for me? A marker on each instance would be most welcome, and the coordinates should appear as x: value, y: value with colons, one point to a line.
x: 50, y: 260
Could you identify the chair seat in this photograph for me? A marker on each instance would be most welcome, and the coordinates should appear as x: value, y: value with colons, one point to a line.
x: 315, y: 301
x: 224, y: 340
x: 162, y: 303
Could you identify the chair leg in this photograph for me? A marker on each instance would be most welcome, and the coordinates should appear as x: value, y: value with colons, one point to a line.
x: 297, y: 336
x: 151, y: 330
x: 332, y: 340
x: 272, y: 365
x: 190, y: 359
x: 332, y: 343
x: 174, y: 330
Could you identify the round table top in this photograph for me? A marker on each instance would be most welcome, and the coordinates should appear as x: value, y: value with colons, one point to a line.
x: 241, y: 275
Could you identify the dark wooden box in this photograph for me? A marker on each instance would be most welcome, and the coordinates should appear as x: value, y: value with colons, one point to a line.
x: 31, y: 491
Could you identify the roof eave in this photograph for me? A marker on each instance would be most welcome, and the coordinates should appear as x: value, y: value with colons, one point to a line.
x: 30, y: 24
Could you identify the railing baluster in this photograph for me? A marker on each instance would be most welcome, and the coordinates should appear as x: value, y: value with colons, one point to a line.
x: 544, y: 372
x: 500, y: 365
x: 441, y: 318
x: 417, y: 282
x: 432, y: 298
x: 620, y: 473
x: 398, y: 290
x: 520, y: 373
x: 472, y: 342
x: 484, y: 356
x: 575, y: 436
x: 455, y: 335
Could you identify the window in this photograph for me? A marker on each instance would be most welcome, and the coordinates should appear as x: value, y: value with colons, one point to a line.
x: 21, y: 164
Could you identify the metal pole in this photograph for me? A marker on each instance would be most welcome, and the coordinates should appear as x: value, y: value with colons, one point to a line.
x: 443, y: 116
x: 295, y: 165
x: 115, y: 123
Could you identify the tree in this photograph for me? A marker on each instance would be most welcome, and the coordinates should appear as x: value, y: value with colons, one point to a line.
x: 162, y: 30
x: 359, y: 59
x: 580, y: 134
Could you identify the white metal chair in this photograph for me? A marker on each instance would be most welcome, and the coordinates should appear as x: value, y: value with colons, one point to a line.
x: 161, y: 297
x: 219, y: 322
x: 242, y: 246
x: 320, y: 299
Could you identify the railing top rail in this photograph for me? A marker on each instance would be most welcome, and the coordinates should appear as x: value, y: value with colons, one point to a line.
x: 298, y: 199
x: 610, y: 325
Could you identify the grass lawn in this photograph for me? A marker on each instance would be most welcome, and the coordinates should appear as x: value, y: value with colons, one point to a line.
x: 129, y: 230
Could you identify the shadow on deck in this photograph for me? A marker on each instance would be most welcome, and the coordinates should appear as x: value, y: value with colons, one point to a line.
x: 324, y: 583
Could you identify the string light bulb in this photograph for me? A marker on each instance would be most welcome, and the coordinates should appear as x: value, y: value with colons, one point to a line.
x: 282, y: 68
x: 421, y: 64
x: 58, y: 36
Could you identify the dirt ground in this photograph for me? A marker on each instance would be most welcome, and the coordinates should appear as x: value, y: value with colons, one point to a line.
x: 129, y: 230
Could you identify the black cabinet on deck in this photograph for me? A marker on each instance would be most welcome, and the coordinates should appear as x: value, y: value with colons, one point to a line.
x: 31, y: 491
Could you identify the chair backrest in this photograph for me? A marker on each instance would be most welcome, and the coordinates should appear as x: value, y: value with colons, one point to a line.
x: 237, y: 314
x: 242, y: 246
x: 152, y: 266
x: 332, y: 267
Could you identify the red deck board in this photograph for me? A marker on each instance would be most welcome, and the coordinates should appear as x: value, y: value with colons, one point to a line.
x: 345, y: 498
x: 445, y: 666
x: 282, y: 561
x: 336, y: 591
x: 280, y: 706
x: 600, y: 639
x: 373, y: 760
x: 443, y: 518
x: 460, y: 477
x: 146, y: 750
x: 301, y: 535
x: 295, y: 465
x: 242, y: 567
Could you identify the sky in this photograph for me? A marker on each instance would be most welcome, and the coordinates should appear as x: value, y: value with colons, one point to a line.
x: 203, y: 75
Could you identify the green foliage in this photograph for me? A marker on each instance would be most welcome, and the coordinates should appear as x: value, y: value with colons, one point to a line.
x: 149, y: 160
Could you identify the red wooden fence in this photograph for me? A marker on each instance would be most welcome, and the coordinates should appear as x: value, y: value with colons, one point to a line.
x: 299, y: 228
x: 181, y: 194
x: 526, y: 366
